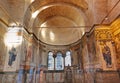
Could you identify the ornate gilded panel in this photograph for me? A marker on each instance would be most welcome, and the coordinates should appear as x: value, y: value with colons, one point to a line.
x: 103, y: 34
x: 117, y: 47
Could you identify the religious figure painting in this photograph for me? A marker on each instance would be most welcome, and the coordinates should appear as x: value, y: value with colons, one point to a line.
x: 106, y: 52
x: 11, y: 59
x: 12, y: 56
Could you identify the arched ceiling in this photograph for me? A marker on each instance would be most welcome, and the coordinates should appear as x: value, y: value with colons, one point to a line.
x: 40, y: 3
x: 58, y: 22
x: 59, y: 35
x: 49, y: 8
x: 54, y: 21
x: 63, y: 10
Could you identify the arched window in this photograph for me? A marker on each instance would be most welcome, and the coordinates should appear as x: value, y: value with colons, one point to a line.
x: 68, y: 58
x: 50, y: 61
x: 59, y: 64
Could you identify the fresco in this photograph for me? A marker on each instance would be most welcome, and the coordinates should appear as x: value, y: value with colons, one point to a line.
x: 108, y: 55
x: 29, y: 54
x: 26, y: 51
x: 11, y: 61
x: 92, y: 49
x: 85, y: 53
x: 34, y: 54
x: 12, y: 55
x: 98, y: 54
x: 117, y: 48
x: 23, y: 51
x: 105, y: 48
x: 2, y: 45
x: 2, y: 53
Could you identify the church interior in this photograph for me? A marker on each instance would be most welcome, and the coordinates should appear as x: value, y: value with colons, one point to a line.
x: 59, y: 41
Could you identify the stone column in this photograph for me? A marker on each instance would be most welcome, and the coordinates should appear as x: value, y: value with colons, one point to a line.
x: 54, y: 56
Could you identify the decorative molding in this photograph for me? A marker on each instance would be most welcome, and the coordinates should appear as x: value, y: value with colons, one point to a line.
x: 103, y: 34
